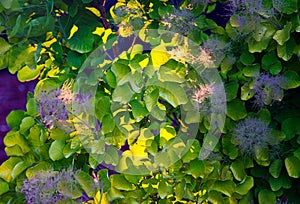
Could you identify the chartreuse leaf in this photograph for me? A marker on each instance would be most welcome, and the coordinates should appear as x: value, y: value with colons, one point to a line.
x: 271, y: 62
x: 56, y: 150
x: 246, y: 92
x: 237, y: 168
x: 244, y: 187
x: 225, y: 187
x: 102, y: 107
x: 86, y: 182
x: 164, y: 189
x: 251, y: 70
x: 4, y: 187
x: 26, y: 123
x: 104, y: 180
x: 15, y: 118
x: 281, y: 36
x: 291, y: 80
x: 236, y: 110
x: 266, y: 196
x: 192, y: 153
x: 215, y: 197
x: 197, y: 168
x: 7, y: 167
x: 15, y: 138
x: 119, y: 182
x: 31, y: 107
x: 34, y: 170
x: 5, y: 46
x: 275, y: 168
x: 286, y: 50
x: 292, y: 165
x: 19, y: 168
x: 111, y: 156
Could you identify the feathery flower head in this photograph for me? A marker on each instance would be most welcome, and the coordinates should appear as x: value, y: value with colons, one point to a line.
x: 267, y: 89
x: 205, y: 57
x: 180, y: 55
x: 251, y: 134
x: 202, y: 93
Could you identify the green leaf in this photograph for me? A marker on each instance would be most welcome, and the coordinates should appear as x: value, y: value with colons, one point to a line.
x: 119, y: 182
x: 19, y: 168
x: 151, y: 99
x: 58, y: 134
x: 15, y: 118
x: 122, y: 93
x: 282, y: 36
x: 291, y: 80
x: 236, y: 110
x: 237, y: 168
x: 111, y: 79
x: 111, y: 156
x: 245, y: 186
x: 104, y: 181
x: 271, y: 62
x: 247, y: 58
x: 266, y: 196
x: 292, y: 165
x: 102, y: 107
x: 290, y: 127
x: 229, y: 148
x: 108, y: 123
x: 120, y: 69
x: 197, y: 168
x: 14, y: 150
x: 138, y: 109
x: 56, y: 150
x: 164, y: 189
x: 288, y: 6
x: 74, y: 59
x: 82, y: 41
x: 286, y: 50
x: 225, y: 187
x: 231, y: 90
x: 246, y: 92
x: 86, y: 182
x: 7, y: 167
x: 4, y: 187
x: 31, y: 107
x: 275, y: 168
x: 275, y: 183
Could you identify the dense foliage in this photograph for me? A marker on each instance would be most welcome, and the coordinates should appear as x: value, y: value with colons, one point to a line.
x: 152, y: 101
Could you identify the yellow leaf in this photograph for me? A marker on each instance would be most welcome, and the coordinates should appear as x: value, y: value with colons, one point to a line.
x: 99, y: 31
x: 159, y: 56
x: 73, y: 31
x: 101, y: 199
x: 94, y: 11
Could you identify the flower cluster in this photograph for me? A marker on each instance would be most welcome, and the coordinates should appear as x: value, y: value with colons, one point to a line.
x: 55, y: 106
x: 267, y: 89
x: 251, y: 134
x: 180, y: 21
x: 43, y: 188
